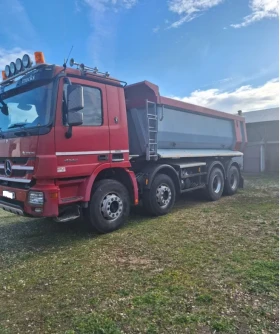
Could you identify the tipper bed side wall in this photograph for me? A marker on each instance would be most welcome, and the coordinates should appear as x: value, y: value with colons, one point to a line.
x: 179, y: 125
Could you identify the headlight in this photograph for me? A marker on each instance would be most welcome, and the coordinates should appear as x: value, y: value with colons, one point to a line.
x: 18, y: 64
x: 13, y: 68
x: 36, y: 197
x: 7, y: 71
x: 26, y: 61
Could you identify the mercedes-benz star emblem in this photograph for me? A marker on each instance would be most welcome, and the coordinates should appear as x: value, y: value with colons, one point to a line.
x: 8, y: 168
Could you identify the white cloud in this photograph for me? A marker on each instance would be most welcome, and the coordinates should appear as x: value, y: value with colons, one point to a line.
x: 261, y: 9
x: 127, y: 3
x: 6, y: 56
x: 189, y: 9
x: 77, y: 6
x: 245, y: 98
x: 156, y: 29
x: 103, y: 5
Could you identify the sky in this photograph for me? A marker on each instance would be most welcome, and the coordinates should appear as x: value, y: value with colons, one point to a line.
x: 222, y: 54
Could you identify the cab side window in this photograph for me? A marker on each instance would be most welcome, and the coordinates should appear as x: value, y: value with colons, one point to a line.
x: 93, y: 115
x: 93, y: 106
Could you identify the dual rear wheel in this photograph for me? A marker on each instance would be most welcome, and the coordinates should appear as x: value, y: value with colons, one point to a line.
x: 217, y: 184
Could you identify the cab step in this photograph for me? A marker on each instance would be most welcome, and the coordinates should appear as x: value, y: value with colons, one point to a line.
x: 70, y: 213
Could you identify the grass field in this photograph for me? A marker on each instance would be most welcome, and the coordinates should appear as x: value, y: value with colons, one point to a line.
x: 205, y: 268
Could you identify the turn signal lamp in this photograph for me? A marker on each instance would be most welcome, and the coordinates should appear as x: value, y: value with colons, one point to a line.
x: 54, y: 195
x: 4, y: 77
x: 39, y: 57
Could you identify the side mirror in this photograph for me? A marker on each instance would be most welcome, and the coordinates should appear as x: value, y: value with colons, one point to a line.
x: 75, y: 118
x: 4, y: 109
x: 75, y: 98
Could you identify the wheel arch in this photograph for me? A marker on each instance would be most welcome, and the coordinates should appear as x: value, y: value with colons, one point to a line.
x: 228, y: 165
x: 234, y: 163
x: 124, y: 176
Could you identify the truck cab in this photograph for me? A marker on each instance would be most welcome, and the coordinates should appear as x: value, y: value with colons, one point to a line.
x: 48, y: 165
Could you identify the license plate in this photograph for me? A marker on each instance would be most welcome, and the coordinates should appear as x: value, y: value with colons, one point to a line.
x: 8, y: 194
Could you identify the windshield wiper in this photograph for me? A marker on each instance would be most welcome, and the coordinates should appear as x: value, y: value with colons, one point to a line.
x: 16, y: 125
x: 21, y: 133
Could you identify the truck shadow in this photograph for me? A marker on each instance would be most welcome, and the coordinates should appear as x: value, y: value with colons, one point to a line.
x: 185, y: 201
x: 21, y: 238
x: 27, y: 237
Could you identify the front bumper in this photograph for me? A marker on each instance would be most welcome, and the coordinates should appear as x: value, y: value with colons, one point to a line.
x: 20, y: 206
x: 12, y: 208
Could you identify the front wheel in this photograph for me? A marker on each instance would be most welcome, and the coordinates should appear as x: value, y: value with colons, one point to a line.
x: 109, y: 206
x: 160, y: 198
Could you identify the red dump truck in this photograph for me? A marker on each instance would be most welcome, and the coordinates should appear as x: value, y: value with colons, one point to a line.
x: 76, y: 142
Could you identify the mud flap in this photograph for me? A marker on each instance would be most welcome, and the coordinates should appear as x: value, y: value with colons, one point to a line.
x: 241, y: 182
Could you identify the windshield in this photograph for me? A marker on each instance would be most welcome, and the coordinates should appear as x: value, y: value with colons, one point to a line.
x: 26, y: 109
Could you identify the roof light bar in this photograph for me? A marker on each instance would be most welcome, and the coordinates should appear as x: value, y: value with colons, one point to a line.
x: 21, y: 65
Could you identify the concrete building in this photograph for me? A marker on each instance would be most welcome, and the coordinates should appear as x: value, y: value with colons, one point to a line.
x: 262, y: 151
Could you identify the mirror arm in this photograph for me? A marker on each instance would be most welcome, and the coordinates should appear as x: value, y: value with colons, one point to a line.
x: 68, y: 133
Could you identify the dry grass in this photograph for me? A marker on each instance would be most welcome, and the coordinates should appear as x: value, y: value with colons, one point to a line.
x: 205, y: 268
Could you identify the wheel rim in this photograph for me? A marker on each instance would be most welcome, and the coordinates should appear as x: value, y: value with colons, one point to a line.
x: 111, y: 207
x: 233, y: 181
x: 163, y: 195
x: 217, y: 184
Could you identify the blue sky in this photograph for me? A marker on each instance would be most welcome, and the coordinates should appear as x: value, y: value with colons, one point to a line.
x: 219, y: 53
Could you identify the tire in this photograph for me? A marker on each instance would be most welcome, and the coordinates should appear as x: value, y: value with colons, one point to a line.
x: 108, y: 207
x: 232, y: 181
x: 160, y: 198
x: 215, y: 186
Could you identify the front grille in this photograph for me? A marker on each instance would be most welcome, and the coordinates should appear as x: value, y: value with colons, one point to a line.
x: 16, y: 173
x: 21, y: 170
x: 18, y: 185
x: 15, y: 160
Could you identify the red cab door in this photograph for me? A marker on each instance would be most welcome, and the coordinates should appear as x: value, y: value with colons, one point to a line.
x: 88, y: 147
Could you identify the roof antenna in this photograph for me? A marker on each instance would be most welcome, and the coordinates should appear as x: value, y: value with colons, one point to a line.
x: 66, y: 61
